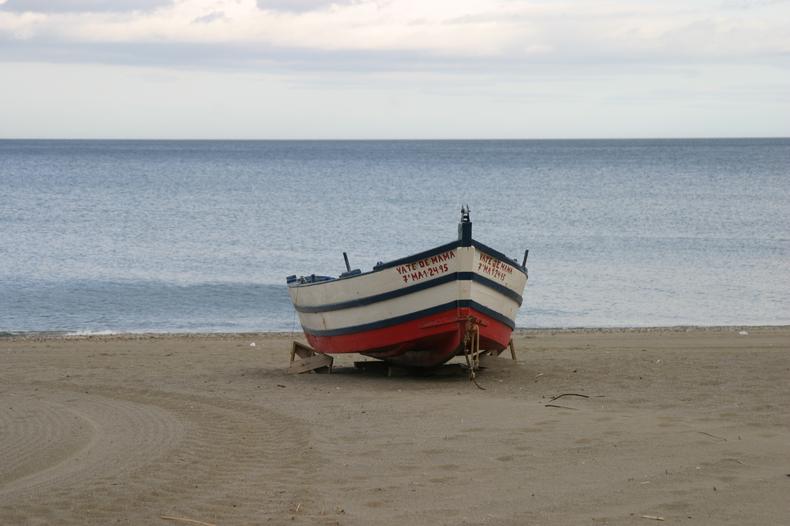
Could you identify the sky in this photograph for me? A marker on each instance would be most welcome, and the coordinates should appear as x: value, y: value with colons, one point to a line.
x: 394, y: 69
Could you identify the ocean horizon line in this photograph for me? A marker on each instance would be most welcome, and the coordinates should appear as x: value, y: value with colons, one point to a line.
x: 375, y: 139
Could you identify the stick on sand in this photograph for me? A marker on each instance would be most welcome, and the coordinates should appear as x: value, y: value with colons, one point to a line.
x: 568, y: 394
x: 184, y: 519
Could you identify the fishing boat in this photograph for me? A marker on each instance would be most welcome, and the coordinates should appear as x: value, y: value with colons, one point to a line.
x: 416, y: 311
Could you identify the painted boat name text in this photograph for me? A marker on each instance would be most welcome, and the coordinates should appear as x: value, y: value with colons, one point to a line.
x: 494, y: 267
x: 425, y: 268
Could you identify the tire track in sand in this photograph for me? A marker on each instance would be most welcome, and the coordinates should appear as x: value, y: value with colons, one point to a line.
x: 133, y: 455
x: 35, y: 435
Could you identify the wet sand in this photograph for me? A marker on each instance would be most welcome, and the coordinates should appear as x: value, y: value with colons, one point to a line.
x: 691, y: 426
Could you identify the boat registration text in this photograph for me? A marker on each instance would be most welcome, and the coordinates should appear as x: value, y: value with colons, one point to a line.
x: 425, y: 268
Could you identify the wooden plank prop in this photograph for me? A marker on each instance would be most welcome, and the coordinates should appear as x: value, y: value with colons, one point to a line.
x: 305, y: 358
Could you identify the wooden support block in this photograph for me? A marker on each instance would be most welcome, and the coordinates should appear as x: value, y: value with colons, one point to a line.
x: 311, y: 363
x: 371, y: 365
x: 301, y: 350
x: 512, y: 350
x: 304, y: 358
x: 385, y: 368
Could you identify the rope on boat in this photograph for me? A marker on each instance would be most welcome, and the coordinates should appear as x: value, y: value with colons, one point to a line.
x: 472, y: 349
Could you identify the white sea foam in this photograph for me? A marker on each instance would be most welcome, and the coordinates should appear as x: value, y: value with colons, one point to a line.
x: 92, y: 333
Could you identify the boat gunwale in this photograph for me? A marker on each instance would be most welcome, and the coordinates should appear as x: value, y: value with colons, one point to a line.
x: 422, y: 255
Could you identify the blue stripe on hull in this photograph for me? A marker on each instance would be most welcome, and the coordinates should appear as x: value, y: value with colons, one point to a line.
x: 413, y: 316
x: 455, y: 276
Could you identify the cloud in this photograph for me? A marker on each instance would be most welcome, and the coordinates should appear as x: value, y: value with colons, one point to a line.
x: 81, y: 6
x: 299, y: 6
x: 751, y: 4
x: 211, y: 17
x: 395, y: 34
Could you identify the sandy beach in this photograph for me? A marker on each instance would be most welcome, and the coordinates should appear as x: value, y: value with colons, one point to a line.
x: 688, y: 426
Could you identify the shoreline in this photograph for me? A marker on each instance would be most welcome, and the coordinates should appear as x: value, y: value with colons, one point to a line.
x: 519, y: 331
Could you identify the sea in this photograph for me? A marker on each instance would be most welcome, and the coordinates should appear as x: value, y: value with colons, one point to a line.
x: 199, y: 236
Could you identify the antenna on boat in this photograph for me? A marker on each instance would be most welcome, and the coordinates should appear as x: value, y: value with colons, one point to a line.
x: 465, y: 228
x: 526, y: 255
x: 348, y: 267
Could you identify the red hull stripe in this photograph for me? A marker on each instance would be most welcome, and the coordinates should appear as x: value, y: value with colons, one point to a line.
x: 414, y: 316
x: 455, y: 276
x: 437, y: 337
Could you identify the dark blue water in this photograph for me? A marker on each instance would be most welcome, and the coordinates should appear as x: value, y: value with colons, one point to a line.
x: 199, y: 236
